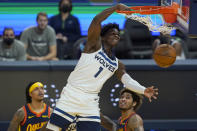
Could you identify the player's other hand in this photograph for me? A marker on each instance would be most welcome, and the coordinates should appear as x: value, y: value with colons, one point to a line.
x: 122, y: 7
x: 151, y: 92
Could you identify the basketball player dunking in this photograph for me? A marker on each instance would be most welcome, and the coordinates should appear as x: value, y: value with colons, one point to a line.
x: 79, y: 98
x: 33, y: 115
x: 129, y: 103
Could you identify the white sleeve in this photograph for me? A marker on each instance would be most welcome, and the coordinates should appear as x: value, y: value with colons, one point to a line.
x: 132, y: 84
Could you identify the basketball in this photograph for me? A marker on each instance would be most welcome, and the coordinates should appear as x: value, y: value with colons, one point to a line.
x: 164, y: 55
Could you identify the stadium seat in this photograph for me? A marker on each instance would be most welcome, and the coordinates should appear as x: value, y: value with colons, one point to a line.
x: 192, y: 48
x: 141, y: 39
x: 78, y: 47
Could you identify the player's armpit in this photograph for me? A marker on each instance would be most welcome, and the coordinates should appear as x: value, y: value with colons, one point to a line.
x: 120, y: 71
x: 16, y: 120
x: 135, y: 123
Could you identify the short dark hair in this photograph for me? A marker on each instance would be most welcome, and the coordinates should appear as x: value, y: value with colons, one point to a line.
x: 136, y: 98
x: 41, y: 14
x: 60, y: 2
x: 28, y: 97
x: 107, y: 27
x: 7, y: 28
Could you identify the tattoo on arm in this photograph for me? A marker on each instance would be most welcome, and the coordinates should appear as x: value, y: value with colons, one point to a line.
x: 17, y: 119
x: 136, y: 123
x: 137, y: 129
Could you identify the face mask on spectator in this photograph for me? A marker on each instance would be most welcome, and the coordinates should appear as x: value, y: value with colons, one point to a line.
x: 8, y: 41
x: 66, y: 8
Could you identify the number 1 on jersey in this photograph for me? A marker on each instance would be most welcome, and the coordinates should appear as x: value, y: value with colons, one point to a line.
x: 100, y: 69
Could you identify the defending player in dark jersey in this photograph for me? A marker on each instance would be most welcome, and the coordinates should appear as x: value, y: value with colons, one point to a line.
x: 33, y: 115
x: 129, y: 103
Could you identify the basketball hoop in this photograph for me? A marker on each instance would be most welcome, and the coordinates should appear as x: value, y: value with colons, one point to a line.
x: 168, y: 13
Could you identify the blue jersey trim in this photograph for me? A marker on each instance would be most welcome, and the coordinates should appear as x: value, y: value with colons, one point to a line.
x: 61, y: 111
x: 91, y: 117
x: 107, y: 59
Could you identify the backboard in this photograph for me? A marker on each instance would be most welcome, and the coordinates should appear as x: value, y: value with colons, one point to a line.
x: 186, y: 20
x: 183, y: 12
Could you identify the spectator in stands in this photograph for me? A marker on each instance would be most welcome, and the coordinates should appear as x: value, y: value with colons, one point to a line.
x: 178, y: 45
x: 10, y: 48
x: 40, y: 40
x: 175, y: 41
x: 162, y: 39
x: 67, y: 28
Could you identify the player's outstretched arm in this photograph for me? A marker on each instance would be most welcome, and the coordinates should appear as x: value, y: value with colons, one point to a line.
x: 133, y: 85
x: 17, y: 119
x: 107, y: 123
x: 94, y: 40
x: 135, y: 123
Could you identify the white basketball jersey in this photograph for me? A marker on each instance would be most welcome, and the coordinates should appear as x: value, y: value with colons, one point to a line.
x: 92, y: 71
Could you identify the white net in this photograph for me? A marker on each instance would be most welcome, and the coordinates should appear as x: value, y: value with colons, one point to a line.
x: 164, y: 28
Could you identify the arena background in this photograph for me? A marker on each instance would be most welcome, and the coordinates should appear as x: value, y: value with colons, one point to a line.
x: 15, y: 12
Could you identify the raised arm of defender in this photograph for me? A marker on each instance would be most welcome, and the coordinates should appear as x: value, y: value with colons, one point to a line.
x: 94, y: 40
x: 107, y: 123
x: 133, y: 85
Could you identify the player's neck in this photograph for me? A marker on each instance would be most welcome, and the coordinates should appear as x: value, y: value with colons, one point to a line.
x: 126, y: 114
x: 37, y: 105
x: 108, y: 50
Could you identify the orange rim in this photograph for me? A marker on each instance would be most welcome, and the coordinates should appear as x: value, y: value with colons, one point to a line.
x: 146, y: 10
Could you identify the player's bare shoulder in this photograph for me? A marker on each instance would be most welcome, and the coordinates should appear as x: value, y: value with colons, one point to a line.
x: 17, y: 119
x: 135, y: 123
x: 20, y: 114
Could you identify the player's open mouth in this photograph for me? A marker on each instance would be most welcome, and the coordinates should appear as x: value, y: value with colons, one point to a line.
x: 116, y: 38
x: 122, y: 104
